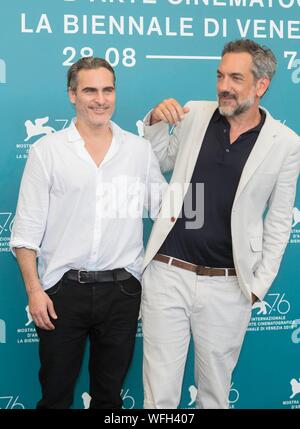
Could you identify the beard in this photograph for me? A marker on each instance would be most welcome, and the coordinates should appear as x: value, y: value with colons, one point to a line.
x: 238, y: 109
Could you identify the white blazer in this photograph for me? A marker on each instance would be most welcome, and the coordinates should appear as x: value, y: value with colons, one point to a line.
x: 261, y: 214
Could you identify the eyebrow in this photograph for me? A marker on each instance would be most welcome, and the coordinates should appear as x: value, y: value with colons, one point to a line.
x: 234, y: 74
x: 89, y: 88
x: 93, y: 89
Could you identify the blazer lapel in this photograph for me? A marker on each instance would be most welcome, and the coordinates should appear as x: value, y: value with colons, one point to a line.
x: 197, y: 139
x: 260, y: 150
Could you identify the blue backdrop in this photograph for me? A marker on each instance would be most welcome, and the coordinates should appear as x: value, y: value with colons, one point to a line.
x: 159, y: 49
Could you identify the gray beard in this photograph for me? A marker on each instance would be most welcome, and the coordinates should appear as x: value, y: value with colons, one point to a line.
x: 241, y: 108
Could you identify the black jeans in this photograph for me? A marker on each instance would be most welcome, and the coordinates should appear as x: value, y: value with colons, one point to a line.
x: 107, y: 314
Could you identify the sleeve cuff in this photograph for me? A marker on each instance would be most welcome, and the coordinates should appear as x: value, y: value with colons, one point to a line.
x: 30, y: 246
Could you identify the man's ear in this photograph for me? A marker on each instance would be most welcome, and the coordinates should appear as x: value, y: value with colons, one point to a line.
x: 262, y: 85
x: 72, y: 95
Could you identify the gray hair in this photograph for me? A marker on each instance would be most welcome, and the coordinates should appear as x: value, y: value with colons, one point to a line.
x: 264, y: 61
x: 86, y: 63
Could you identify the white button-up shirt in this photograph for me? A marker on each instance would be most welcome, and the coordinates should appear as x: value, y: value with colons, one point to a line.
x: 76, y: 215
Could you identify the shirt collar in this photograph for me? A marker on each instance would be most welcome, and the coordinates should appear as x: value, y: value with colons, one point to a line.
x: 73, y: 133
x: 218, y: 117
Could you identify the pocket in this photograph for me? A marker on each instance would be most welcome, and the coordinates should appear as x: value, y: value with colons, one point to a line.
x: 131, y: 287
x: 55, y: 289
x: 256, y: 244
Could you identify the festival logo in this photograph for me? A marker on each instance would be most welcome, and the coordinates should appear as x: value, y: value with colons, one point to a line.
x: 35, y: 129
x: 6, y: 222
x: 271, y: 314
x: 27, y: 334
x: 128, y: 400
x: 295, y: 232
x: 233, y: 396
x: 293, y: 400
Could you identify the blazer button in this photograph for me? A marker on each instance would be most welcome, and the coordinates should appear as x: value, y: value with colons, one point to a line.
x: 173, y: 219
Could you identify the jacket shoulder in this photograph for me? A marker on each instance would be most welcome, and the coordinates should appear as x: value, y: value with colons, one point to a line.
x: 289, y: 133
x: 201, y: 105
x: 287, y: 136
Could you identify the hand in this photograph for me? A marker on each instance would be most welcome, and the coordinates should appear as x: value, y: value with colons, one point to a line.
x: 41, y: 307
x: 169, y: 111
x: 254, y: 298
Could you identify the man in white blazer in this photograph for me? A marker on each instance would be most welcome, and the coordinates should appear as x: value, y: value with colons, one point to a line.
x: 204, y: 279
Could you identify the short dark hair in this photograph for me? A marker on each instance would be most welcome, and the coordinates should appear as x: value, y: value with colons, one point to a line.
x: 264, y: 61
x: 86, y: 63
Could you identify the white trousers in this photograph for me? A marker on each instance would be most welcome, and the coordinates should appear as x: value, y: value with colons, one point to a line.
x: 175, y: 304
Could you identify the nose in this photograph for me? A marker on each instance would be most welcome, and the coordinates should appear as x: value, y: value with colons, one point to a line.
x: 223, y: 84
x: 100, y: 98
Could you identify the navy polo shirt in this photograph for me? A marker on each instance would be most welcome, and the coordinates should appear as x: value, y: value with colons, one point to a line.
x: 219, y: 167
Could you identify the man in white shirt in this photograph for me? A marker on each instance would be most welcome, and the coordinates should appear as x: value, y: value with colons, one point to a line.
x: 80, y: 212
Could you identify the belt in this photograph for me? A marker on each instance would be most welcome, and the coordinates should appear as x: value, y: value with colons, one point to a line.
x: 82, y: 276
x: 198, y: 269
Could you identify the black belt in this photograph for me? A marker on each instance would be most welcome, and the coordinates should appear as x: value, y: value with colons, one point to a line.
x: 82, y: 276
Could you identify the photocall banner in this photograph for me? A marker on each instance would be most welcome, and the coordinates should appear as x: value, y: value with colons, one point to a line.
x: 159, y: 49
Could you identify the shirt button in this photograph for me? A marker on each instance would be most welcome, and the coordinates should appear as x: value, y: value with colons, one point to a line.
x: 224, y: 130
x: 173, y: 219
x: 227, y: 150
